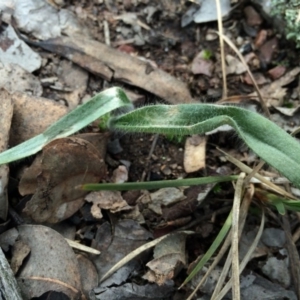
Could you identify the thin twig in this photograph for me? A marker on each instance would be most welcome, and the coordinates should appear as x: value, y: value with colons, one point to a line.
x: 244, y: 210
x: 233, y: 47
x: 248, y: 170
x: 246, y: 258
x: 153, y: 145
x: 235, y: 237
x: 254, y: 171
x: 222, y: 52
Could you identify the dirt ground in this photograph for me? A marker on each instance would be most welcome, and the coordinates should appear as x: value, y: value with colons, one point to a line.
x: 142, y: 47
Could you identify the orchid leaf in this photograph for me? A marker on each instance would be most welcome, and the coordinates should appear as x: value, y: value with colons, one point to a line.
x: 265, y: 138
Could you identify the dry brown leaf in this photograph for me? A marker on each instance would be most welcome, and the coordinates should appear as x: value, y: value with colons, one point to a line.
x: 202, y: 65
x: 111, y: 64
x: 66, y: 163
x: 110, y: 200
x: 51, y: 266
x: 88, y: 274
x: 128, y: 235
x: 169, y: 258
x: 28, y: 182
x: 20, y: 251
x: 234, y: 65
x: 276, y: 89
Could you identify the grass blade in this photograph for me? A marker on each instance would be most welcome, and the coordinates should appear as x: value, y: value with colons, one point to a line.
x: 212, y: 249
x: 150, y: 185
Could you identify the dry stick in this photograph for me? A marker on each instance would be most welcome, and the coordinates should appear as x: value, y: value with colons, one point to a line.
x: 254, y: 171
x: 248, y: 170
x: 235, y: 237
x: 220, y: 27
x: 246, y: 258
x: 154, y: 142
x: 244, y: 209
x: 205, y: 217
x: 262, y: 102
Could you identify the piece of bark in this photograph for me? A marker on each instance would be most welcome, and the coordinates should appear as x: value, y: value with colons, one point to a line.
x: 8, y: 284
x: 111, y: 64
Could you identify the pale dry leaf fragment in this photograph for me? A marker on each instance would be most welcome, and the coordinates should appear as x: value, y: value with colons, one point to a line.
x: 128, y: 236
x: 66, y: 163
x: 167, y: 196
x: 14, y: 51
x: 277, y: 269
x: 70, y: 25
x: 234, y: 65
x: 163, y: 197
x: 259, y: 78
x: 194, y: 153
x: 169, y: 258
x: 15, y: 79
x: 202, y: 65
x: 120, y: 175
x: 25, y: 126
x: 20, y: 251
x: 29, y: 178
x: 109, y: 200
x: 276, y: 91
x: 6, y: 113
x: 51, y: 266
x: 290, y: 112
x: 134, y: 215
x: 28, y: 181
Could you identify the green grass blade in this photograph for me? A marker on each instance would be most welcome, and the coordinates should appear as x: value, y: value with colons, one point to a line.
x: 212, y: 249
x: 80, y: 117
x: 150, y: 185
x: 264, y: 137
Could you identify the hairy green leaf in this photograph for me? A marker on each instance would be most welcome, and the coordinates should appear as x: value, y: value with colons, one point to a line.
x: 264, y: 137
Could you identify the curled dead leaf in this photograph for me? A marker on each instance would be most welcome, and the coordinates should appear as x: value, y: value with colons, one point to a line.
x: 65, y: 164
